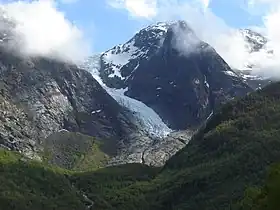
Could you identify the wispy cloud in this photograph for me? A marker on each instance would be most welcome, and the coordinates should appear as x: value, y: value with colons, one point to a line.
x: 137, y: 8
x: 269, y: 10
x: 205, y: 3
x: 152, y: 8
x: 68, y: 1
x: 41, y: 29
x: 227, y: 41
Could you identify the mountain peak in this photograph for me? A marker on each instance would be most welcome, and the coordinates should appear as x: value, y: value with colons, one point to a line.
x: 164, y: 60
x: 255, y: 40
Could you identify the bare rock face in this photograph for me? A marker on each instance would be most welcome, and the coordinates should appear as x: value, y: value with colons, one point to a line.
x: 157, y: 156
x: 39, y: 97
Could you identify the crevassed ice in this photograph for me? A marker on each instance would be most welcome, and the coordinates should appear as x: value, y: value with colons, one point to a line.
x: 146, y: 117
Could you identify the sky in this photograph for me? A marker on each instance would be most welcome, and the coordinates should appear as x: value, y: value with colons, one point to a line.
x: 106, y: 23
x: 74, y: 29
x: 110, y: 24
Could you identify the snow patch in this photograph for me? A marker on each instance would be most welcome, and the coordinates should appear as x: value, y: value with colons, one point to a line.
x: 196, y: 81
x: 231, y: 73
x: 120, y: 56
x: 211, y: 114
x: 116, y: 73
x: 205, y: 82
x: 63, y: 130
x: 96, y: 111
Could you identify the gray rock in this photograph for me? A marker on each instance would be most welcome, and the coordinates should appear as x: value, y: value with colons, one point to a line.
x: 39, y: 97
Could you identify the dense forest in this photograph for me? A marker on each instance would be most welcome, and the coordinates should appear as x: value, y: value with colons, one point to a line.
x: 231, y: 163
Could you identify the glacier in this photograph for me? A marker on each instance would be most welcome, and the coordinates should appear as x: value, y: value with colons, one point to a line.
x: 146, y: 117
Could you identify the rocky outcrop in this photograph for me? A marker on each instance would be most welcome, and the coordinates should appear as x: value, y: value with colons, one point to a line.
x: 152, y: 151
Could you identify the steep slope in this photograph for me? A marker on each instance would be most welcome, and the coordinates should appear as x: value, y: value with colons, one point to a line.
x: 265, y: 196
x: 154, y: 143
x: 31, y: 185
x: 119, y: 63
x: 45, y: 104
x: 169, y: 69
x: 27, y: 185
x: 231, y: 152
x: 40, y: 97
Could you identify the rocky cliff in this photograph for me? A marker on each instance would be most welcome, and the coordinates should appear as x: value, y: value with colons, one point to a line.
x: 40, y: 97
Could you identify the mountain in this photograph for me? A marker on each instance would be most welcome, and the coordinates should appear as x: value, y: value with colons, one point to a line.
x: 42, y: 97
x: 231, y: 152
x: 170, y: 70
x: 255, y: 42
x: 56, y: 111
x: 72, y: 132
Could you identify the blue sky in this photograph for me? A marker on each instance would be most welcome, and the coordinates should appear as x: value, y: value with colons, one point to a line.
x: 107, y: 26
x: 104, y: 25
x: 72, y: 30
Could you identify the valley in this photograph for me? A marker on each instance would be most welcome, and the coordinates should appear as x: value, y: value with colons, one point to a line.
x: 160, y: 122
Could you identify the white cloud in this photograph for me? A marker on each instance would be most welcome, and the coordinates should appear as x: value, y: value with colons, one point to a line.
x: 227, y: 41
x: 150, y: 8
x: 267, y: 64
x: 68, y: 1
x: 137, y: 8
x: 205, y: 3
x: 45, y: 31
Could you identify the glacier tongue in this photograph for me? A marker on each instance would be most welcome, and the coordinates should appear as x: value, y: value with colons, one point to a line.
x: 146, y: 117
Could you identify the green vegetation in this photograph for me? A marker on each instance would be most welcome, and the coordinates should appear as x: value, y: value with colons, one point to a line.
x: 74, y: 151
x: 28, y: 185
x: 232, y: 153
x: 104, y: 186
x: 265, y: 197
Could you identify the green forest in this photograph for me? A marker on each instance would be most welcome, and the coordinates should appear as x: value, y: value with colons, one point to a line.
x: 231, y: 163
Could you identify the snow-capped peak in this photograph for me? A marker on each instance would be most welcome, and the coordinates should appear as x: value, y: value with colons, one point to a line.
x: 145, y: 43
x: 120, y: 62
x: 254, y: 39
x: 161, y: 26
